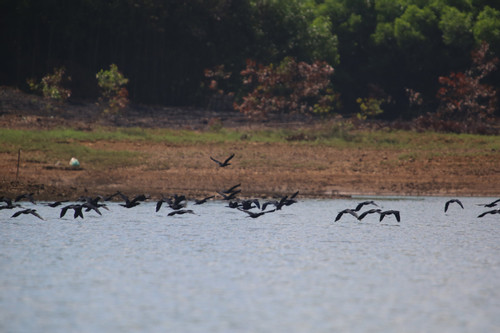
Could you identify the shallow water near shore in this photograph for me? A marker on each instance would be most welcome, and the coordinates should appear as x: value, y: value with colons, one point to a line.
x: 295, y: 270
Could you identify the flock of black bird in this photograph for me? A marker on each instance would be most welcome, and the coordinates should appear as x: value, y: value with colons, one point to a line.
x: 354, y: 212
x: 178, y: 203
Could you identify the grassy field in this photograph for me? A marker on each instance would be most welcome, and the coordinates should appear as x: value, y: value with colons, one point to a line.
x: 320, y: 161
x: 59, y: 144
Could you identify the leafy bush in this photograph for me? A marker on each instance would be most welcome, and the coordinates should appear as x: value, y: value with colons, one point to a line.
x: 220, y: 96
x: 369, y: 107
x: 290, y: 87
x: 112, y: 83
x: 51, y: 85
x: 467, y: 105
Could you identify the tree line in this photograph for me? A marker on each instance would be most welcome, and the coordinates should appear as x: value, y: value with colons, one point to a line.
x: 386, y: 54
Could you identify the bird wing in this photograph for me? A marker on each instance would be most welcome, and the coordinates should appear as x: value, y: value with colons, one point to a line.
x: 90, y: 206
x: 124, y: 197
x: 213, y: 159
x: 140, y: 197
x: 281, y: 202
x: 78, y: 211
x: 33, y: 212
x: 353, y: 213
x: 488, y: 212
x: 339, y: 215
x: 257, y: 203
x: 398, y: 217
x: 16, y: 214
x: 231, y: 189
x: 382, y: 215
x: 8, y: 201
x: 64, y: 210
x: 232, y: 195
x: 446, y: 206
x: 371, y: 211
x: 228, y: 159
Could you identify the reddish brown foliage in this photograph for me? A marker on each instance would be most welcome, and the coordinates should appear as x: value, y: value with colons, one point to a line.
x: 291, y: 87
x: 467, y: 105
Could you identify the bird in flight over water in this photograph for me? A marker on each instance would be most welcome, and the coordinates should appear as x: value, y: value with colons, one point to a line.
x: 390, y: 212
x: 346, y: 211
x: 452, y: 201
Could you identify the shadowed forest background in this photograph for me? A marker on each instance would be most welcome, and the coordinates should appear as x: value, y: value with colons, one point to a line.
x: 390, y: 58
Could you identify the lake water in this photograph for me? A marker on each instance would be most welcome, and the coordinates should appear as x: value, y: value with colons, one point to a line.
x: 296, y: 270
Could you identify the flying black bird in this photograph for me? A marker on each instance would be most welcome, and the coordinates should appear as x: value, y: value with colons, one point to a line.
x: 451, y: 201
x: 28, y: 196
x: 76, y: 207
x: 9, y: 203
x: 176, y: 202
x: 56, y: 203
x: 291, y: 200
x: 249, y: 204
x: 231, y: 189
x: 255, y: 215
x: 389, y: 212
x: 348, y: 211
x: 233, y: 204
x: 134, y: 202
x: 160, y: 202
x: 27, y: 211
x: 364, y: 203
x: 230, y: 196
x: 111, y: 196
x: 223, y: 164
x: 491, y: 204
x: 88, y: 207
x: 95, y: 201
x: 276, y: 203
x: 180, y: 212
x: 371, y: 211
x: 494, y: 211
x: 202, y: 201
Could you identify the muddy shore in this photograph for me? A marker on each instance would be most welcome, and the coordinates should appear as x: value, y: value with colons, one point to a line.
x: 264, y: 170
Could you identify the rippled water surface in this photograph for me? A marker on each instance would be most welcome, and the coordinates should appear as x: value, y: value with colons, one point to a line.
x: 296, y: 270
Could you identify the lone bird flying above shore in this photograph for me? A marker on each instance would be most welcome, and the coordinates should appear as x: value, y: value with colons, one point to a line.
x: 223, y: 164
x: 452, y: 201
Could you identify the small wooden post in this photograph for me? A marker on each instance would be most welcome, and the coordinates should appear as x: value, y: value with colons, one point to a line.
x: 18, y: 160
